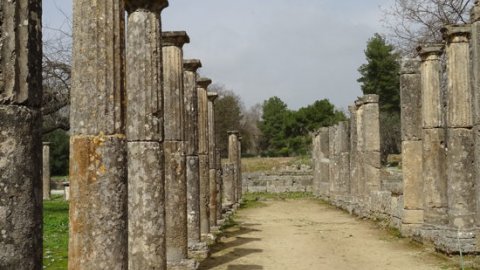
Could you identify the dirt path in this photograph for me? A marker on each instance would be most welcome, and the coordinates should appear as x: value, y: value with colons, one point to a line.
x: 305, y: 234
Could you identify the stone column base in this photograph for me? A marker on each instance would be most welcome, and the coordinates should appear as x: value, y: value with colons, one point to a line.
x: 198, y: 251
x: 187, y: 264
x: 456, y: 241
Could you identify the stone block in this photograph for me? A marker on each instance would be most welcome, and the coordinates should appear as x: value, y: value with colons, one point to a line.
x: 98, y: 202
x: 461, y: 186
x: 146, y: 205
x: 412, y: 174
x: 412, y: 216
x: 175, y: 200
x: 20, y: 188
x: 435, y: 176
x: 411, y: 106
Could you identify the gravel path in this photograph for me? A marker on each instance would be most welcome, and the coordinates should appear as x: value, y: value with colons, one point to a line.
x: 306, y: 234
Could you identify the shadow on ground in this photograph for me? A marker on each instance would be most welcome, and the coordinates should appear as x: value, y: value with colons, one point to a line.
x: 230, y: 249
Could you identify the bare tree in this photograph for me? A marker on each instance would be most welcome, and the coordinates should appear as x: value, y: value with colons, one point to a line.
x: 412, y: 22
x: 57, y: 51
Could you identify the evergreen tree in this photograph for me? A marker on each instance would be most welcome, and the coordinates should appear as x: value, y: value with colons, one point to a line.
x: 380, y: 74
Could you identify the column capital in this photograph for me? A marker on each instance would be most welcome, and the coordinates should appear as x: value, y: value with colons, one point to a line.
x: 366, y: 99
x: 46, y: 143
x: 204, y: 82
x: 175, y: 38
x: 428, y: 50
x: 456, y: 33
x: 212, y: 96
x: 192, y: 65
x: 410, y: 66
x: 233, y: 132
x: 150, y: 5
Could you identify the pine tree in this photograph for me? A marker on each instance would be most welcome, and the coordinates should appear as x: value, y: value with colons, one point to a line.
x: 380, y: 74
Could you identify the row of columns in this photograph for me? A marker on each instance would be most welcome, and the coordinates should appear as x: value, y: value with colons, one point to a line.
x: 347, y: 156
x: 146, y: 182
x: 439, y: 176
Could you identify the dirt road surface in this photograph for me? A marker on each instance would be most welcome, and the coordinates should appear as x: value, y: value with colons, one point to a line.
x: 306, y: 234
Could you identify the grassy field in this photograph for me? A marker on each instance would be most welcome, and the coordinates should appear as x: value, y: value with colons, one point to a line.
x: 270, y: 164
x: 55, y: 231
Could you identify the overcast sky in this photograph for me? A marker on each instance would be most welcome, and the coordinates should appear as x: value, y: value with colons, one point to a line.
x: 298, y: 50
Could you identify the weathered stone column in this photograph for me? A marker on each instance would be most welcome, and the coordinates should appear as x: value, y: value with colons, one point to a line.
x: 412, y: 154
x: 191, y: 139
x: 233, y: 159
x: 460, y: 144
x: 229, y: 191
x: 354, y: 170
x: 46, y: 171
x: 239, y: 172
x: 218, y: 167
x: 212, y: 161
x: 146, y: 174
x: 174, y: 147
x: 202, y: 85
x: 324, y: 162
x: 434, y: 190
x: 339, y: 161
x: 475, y: 58
x: 316, y: 163
x: 98, y: 156
x: 371, y: 143
x: 360, y: 159
x: 20, y: 136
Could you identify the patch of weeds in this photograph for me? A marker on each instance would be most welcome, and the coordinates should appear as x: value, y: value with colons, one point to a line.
x: 55, y: 233
x: 229, y: 223
x: 394, y: 232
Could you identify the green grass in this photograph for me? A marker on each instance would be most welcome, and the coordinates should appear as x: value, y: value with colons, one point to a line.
x: 55, y: 234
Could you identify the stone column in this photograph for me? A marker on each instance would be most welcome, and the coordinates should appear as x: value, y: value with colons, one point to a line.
x: 412, y: 154
x: 434, y: 190
x: 475, y: 44
x: 339, y: 161
x: 233, y: 159
x: 354, y: 170
x: 218, y: 167
x: 144, y: 130
x: 46, y: 171
x: 20, y: 136
x: 229, y: 191
x: 460, y: 144
x: 324, y: 162
x: 191, y: 139
x: 174, y: 147
x: 239, y: 172
x: 316, y: 163
x: 360, y: 159
x: 202, y: 85
x: 98, y: 157
x: 371, y: 143
x: 212, y: 161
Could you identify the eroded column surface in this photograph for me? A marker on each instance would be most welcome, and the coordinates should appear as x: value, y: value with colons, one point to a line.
x: 202, y: 85
x: 354, y: 170
x: 218, y: 167
x: 324, y: 162
x: 239, y: 171
x: 316, y: 163
x: 20, y: 136
x: 144, y: 130
x: 191, y: 145
x: 411, y: 114
x: 174, y: 147
x: 370, y: 120
x: 46, y: 170
x: 212, y: 161
x: 434, y: 142
x: 475, y: 47
x: 229, y: 192
x: 460, y: 156
x: 98, y: 156
x: 339, y: 143
x: 233, y: 159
